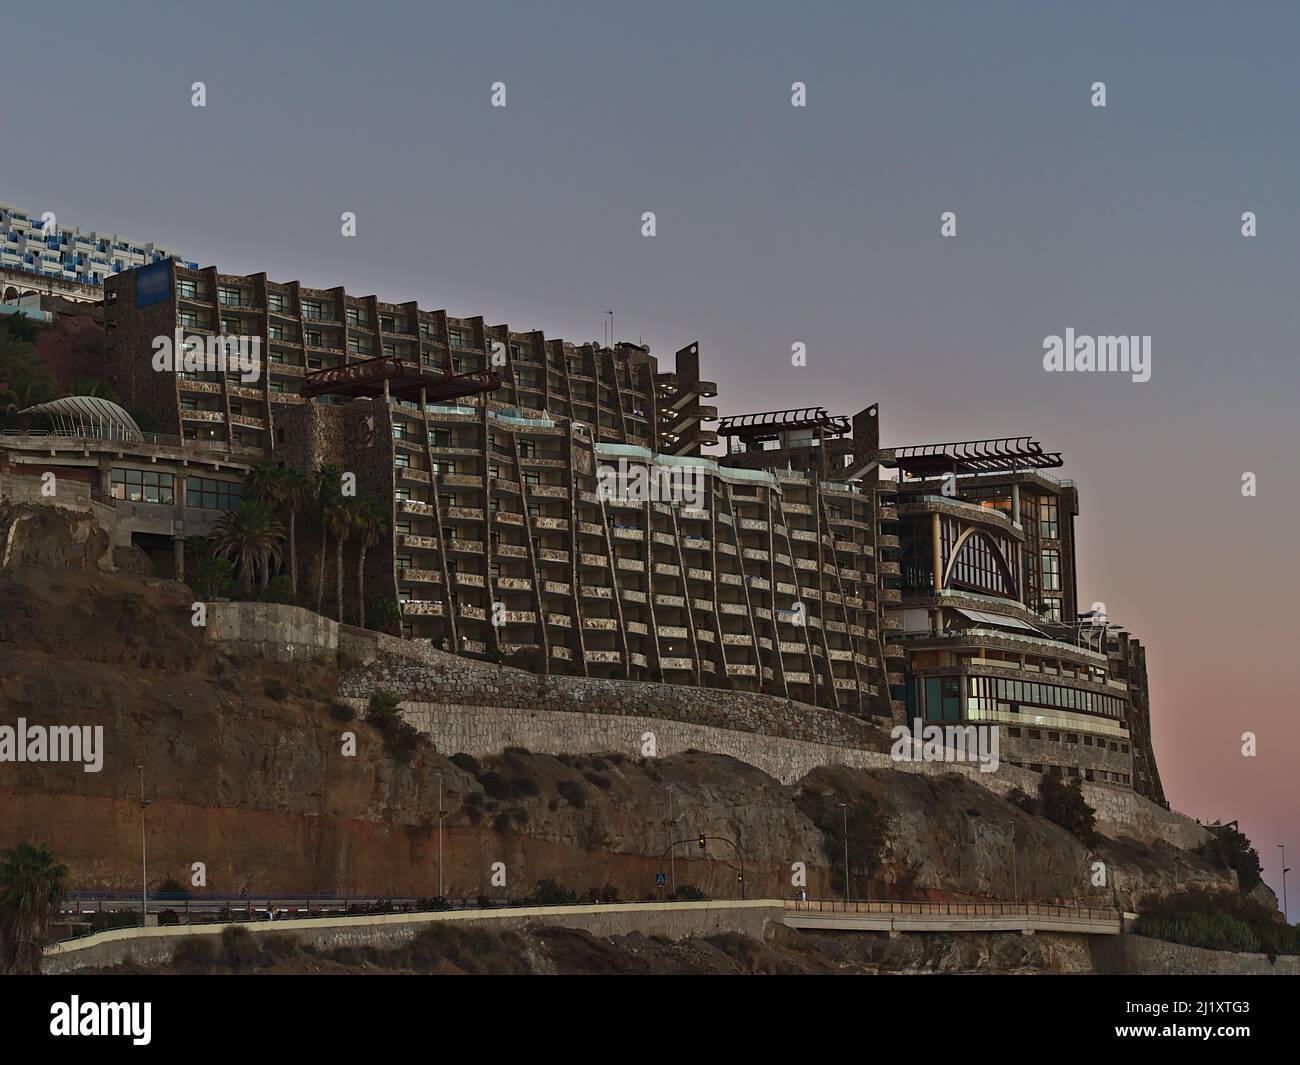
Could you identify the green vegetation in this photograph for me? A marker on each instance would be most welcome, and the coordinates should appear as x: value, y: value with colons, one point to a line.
x: 32, y: 885
x: 250, y: 536
x: 1217, y: 920
x: 1230, y: 849
x: 1064, y: 805
x: 549, y: 893
x: 866, y: 826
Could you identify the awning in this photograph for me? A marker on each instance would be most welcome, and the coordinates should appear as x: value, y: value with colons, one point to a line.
x: 999, y: 620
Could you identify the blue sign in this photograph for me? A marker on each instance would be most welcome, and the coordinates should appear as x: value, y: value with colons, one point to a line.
x: 153, y: 283
x: 660, y: 879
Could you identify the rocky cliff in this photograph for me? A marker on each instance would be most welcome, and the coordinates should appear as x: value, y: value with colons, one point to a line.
x: 251, y: 772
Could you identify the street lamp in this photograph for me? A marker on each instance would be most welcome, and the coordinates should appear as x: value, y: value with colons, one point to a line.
x: 144, y: 864
x: 848, y: 889
x: 441, y: 892
x: 1286, y: 916
x: 1015, y: 880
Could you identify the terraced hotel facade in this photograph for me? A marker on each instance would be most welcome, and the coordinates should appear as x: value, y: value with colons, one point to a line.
x: 812, y: 564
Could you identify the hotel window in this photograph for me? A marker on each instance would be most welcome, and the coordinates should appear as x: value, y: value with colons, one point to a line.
x: 456, y: 338
x: 1051, y: 610
x: 208, y: 494
x: 142, y: 486
x: 186, y: 288
x: 1048, y: 526
x: 313, y: 338
x: 1051, y: 571
x: 312, y: 309
x: 231, y: 297
x: 189, y: 319
x: 401, y: 461
x: 403, y: 562
x: 440, y: 438
x: 404, y: 528
x: 354, y: 316
x: 277, y: 301
x: 388, y: 324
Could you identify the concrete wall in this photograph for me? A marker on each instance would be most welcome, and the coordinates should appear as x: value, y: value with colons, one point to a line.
x: 674, y: 920
x: 272, y: 630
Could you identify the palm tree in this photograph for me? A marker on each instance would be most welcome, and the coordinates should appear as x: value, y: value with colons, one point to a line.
x: 371, y: 523
x: 340, y: 520
x: 251, y: 534
x: 31, y: 889
x: 269, y: 484
x: 295, y: 490
x: 327, y: 492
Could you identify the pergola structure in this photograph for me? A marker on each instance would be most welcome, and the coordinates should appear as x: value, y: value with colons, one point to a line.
x: 390, y: 376
x: 1003, y: 455
x: 770, y: 425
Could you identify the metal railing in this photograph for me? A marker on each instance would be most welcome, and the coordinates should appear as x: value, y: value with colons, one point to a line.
x: 125, y: 437
x: 953, y: 909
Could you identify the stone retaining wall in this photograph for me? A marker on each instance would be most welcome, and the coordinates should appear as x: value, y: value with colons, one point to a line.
x: 272, y: 630
x: 487, y: 730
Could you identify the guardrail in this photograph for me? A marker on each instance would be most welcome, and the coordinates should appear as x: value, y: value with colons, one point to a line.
x: 120, y: 437
x: 199, y: 910
x: 952, y: 909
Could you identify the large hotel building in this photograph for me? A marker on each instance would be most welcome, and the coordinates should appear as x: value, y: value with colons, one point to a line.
x: 806, y: 561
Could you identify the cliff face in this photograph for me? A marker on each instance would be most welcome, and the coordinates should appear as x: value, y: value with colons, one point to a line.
x: 248, y: 772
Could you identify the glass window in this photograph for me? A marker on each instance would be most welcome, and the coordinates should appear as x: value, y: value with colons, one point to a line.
x: 208, y: 494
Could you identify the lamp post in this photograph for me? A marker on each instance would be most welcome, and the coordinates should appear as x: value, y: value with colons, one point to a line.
x: 672, y: 851
x: 848, y: 887
x: 441, y: 892
x: 144, y: 863
x: 1015, y: 880
x: 1286, y: 916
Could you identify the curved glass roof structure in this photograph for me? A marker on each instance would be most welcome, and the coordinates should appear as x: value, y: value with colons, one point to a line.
x: 88, y: 416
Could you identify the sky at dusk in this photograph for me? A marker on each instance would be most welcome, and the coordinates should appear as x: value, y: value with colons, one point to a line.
x: 776, y: 225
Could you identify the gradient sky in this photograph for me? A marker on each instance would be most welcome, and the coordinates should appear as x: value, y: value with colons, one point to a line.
x: 778, y: 225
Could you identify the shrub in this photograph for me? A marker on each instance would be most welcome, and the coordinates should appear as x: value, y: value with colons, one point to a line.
x: 238, y: 949
x: 496, y: 785
x: 1217, y: 920
x: 1063, y: 804
x: 501, y: 823
x: 382, y: 707
x: 523, y: 786
x: 598, y: 779
x: 279, y: 945
x: 549, y: 893
x: 517, y: 750
x: 173, y: 888
x: 197, y: 952
x: 340, y: 711
x: 467, y: 762
x: 1230, y: 849
x: 689, y: 893
x: 572, y: 793
x: 275, y: 688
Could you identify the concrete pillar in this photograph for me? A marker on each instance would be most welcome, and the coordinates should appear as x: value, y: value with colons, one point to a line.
x: 178, y: 554
x: 937, y: 551
x: 1015, y: 503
